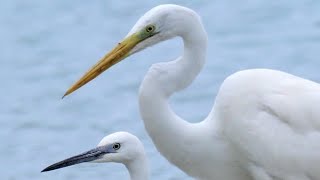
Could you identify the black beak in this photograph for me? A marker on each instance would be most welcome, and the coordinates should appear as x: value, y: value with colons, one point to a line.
x: 88, y: 156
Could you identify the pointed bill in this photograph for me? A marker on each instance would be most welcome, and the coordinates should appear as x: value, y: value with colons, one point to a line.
x: 120, y: 52
x: 88, y: 156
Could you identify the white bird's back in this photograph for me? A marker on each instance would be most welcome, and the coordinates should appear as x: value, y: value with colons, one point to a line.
x: 272, y: 117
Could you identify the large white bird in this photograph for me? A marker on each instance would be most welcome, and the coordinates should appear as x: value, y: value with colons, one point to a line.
x: 119, y: 147
x: 264, y: 125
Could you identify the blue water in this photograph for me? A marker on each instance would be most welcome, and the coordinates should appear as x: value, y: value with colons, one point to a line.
x: 46, y: 45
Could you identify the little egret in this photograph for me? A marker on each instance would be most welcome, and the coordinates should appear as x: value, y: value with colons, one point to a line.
x: 119, y: 147
x: 265, y: 124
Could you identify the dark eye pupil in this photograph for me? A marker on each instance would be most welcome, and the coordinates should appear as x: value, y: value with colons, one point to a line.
x: 116, y: 146
x: 150, y: 28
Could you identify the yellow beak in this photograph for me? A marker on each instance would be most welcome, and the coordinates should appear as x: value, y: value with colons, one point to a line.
x: 120, y: 52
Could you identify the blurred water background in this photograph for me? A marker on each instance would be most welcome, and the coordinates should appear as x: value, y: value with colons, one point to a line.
x: 46, y: 45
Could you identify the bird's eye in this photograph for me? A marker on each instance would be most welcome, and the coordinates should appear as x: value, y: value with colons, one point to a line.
x: 150, y: 28
x: 116, y: 146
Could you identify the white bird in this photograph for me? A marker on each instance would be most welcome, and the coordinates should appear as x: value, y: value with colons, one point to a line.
x: 119, y: 147
x: 264, y: 124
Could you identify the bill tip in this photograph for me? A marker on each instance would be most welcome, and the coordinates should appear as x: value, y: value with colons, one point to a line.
x: 65, y: 94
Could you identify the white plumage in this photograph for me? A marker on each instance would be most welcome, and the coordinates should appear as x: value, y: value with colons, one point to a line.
x: 119, y: 147
x: 264, y: 124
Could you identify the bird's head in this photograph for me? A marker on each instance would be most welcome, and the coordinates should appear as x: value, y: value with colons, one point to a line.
x: 124, y: 147
x: 160, y: 23
x: 120, y: 147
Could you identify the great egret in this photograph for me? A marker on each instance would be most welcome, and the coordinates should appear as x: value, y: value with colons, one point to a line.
x: 119, y: 147
x: 265, y: 124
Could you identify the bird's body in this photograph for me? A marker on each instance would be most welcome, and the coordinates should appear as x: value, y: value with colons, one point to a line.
x: 274, y: 121
x: 264, y: 124
x: 119, y: 147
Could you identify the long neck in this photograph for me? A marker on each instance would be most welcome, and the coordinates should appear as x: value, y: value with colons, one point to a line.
x: 162, y: 80
x: 138, y: 168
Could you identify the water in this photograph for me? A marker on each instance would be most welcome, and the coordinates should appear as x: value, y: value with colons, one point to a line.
x: 46, y: 45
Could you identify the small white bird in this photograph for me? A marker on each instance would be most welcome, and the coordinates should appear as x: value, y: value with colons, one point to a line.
x: 119, y: 147
x: 264, y: 125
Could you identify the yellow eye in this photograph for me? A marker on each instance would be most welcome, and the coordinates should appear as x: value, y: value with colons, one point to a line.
x: 150, y: 28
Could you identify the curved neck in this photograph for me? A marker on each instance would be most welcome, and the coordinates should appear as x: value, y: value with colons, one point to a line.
x: 162, y: 80
x: 138, y: 168
x: 180, y: 73
x: 189, y: 65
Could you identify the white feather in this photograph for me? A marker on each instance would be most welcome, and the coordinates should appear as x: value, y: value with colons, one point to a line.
x: 264, y: 124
